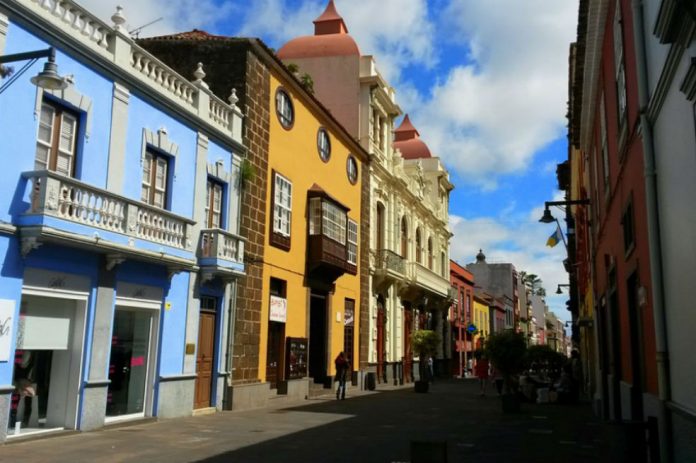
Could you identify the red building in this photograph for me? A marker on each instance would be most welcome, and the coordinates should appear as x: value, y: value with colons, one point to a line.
x: 613, y: 230
x: 461, y: 317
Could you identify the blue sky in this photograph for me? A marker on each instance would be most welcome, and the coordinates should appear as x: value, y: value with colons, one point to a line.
x: 484, y: 81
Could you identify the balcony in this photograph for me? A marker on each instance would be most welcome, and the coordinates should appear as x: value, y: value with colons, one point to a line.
x: 389, y: 267
x: 428, y: 280
x: 327, y: 258
x: 66, y: 210
x: 220, y: 253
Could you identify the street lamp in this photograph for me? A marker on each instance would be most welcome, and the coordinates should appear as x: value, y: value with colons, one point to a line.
x: 558, y: 289
x: 48, y: 78
x: 549, y: 218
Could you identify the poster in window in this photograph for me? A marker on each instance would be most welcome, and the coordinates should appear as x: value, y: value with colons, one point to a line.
x: 279, y: 309
x: 349, y: 316
x: 296, y: 358
x: 7, y: 309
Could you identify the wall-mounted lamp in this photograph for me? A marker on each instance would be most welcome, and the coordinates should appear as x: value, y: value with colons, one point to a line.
x: 558, y: 289
x: 48, y: 78
x: 549, y: 218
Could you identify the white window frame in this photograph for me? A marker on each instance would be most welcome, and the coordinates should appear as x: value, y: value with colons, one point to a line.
x: 282, y: 205
x: 213, y: 205
x: 352, y: 243
x: 333, y: 222
x: 56, y: 146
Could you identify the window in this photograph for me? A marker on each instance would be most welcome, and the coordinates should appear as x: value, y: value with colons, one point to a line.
x: 56, y: 140
x: 430, y: 253
x: 443, y: 264
x: 284, y: 109
x: 333, y: 222
x: 605, y: 148
x: 352, y: 169
x: 419, y: 250
x: 627, y: 222
x: 154, y: 188
x: 352, y: 248
x: 404, y: 238
x: 213, y: 204
x: 282, y: 205
x: 619, y: 66
x: 324, y: 145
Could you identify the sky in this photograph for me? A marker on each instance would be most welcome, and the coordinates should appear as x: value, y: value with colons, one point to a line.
x: 485, y: 82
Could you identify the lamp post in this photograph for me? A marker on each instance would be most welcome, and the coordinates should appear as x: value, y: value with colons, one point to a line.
x: 48, y: 78
x: 558, y: 289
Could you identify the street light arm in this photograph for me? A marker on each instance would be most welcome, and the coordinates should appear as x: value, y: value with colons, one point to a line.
x: 570, y: 202
x: 49, y: 53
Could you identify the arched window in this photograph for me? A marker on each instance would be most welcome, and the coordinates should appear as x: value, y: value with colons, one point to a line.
x: 430, y: 253
x: 419, y: 247
x: 379, y: 235
x: 404, y: 238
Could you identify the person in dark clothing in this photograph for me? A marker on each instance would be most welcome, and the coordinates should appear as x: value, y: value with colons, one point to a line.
x: 342, y: 367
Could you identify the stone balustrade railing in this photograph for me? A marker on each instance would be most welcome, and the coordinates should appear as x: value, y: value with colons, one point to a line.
x: 427, y: 278
x: 220, y: 244
x: 69, y: 199
x: 118, y: 48
x: 73, y: 17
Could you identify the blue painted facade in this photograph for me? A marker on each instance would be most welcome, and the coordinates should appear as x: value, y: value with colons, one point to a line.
x: 119, y: 275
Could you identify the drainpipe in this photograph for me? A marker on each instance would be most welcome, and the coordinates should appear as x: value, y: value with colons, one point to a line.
x: 664, y: 387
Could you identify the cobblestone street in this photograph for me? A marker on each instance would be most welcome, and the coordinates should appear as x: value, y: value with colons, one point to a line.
x: 367, y: 427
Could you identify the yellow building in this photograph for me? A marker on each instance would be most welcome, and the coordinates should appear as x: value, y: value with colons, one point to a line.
x: 304, y: 205
x: 311, y: 257
x: 481, y: 318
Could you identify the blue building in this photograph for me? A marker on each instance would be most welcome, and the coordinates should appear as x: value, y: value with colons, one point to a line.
x: 119, y: 208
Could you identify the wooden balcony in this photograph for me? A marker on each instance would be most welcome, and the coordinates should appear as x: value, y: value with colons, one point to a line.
x: 65, y: 209
x: 327, y: 258
x: 220, y: 253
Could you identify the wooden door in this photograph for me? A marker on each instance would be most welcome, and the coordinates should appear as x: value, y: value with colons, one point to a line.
x: 274, y: 355
x: 408, y: 354
x: 204, y: 360
x: 381, y: 339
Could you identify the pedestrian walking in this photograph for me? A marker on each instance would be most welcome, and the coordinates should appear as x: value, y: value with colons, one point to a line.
x: 431, y: 372
x: 481, y: 371
x: 497, y: 378
x: 342, y: 367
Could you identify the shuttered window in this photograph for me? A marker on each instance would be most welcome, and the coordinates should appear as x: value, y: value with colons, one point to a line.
x: 154, y: 187
x: 213, y: 204
x: 56, y: 140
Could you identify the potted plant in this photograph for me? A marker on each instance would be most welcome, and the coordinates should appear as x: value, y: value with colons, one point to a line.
x: 424, y: 343
x: 507, y: 352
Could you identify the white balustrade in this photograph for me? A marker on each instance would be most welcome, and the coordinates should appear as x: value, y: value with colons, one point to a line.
x: 69, y: 199
x: 79, y: 20
x: 162, y: 76
x: 220, y: 244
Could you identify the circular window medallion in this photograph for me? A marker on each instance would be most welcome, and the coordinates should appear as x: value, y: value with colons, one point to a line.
x: 324, y: 145
x: 284, y: 109
x: 352, y: 169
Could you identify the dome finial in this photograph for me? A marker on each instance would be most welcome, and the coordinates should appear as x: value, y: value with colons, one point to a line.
x: 330, y: 22
x: 480, y: 257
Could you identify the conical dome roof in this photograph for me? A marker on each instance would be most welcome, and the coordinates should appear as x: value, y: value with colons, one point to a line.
x: 407, y: 140
x: 330, y: 38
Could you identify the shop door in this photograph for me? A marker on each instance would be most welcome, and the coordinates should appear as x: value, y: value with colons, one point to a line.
x: 381, y: 339
x: 349, y: 334
x: 408, y: 354
x: 274, y: 366
x: 204, y: 359
x: 129, y: 362
x: 317, y: 338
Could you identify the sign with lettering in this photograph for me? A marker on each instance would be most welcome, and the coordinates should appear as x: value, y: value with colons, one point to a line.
x: 7, y: 310
x: 279, y: 309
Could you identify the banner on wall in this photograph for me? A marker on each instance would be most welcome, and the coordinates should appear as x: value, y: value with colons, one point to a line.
x: 7, y: 309
x: 279, y: 309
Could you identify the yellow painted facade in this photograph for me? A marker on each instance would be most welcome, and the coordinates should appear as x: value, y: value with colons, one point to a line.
x: 481, y: 320
x: 293, y: 153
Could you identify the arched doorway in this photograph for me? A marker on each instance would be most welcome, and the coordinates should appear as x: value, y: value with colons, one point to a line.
x: 381, y: 339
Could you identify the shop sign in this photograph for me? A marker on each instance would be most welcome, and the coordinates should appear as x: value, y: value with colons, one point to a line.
x: 7, y: 309
x: 279, y: 309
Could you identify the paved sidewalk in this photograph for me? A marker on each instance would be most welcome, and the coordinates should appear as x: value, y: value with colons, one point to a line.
x: 369, y: 426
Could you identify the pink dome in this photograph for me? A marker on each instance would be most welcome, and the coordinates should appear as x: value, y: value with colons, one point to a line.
x: 330, y: 38
x: 406, y: 140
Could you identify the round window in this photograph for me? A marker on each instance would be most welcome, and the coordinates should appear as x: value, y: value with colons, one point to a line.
x: 352, y: 169
x: 324, y: 145
x: 284, y: 109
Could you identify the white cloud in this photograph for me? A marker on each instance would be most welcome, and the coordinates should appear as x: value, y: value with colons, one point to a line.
x: 490, y: 116
x: 176, y: 15
x: 522, y: 243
